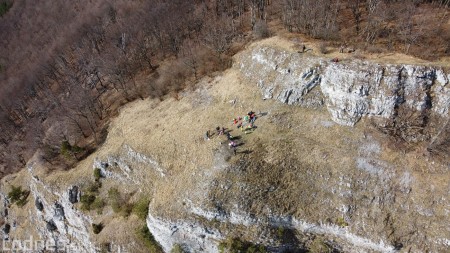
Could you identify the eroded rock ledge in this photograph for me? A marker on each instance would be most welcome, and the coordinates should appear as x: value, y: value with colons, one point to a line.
x: 350, y: 89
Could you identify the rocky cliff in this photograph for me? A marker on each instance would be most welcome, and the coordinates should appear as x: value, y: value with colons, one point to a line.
x: 313, y: 175
x: 351, y: 88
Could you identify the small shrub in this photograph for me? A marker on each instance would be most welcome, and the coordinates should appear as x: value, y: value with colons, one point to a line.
x: 69, y: 151
x: 89, y: 198
x: 113, y: 192
x: 97, y: 174
x: 86, y: 201
x: 98, y: 204
x: 319, y: 246
x: 280, y: 232
x: 236, y: 245
x: 93, y: 187
x: 408, y: 127
x: 23, y: 201
x: 126, y: 209
x: 15, y: 193
x: 18, y: 196
x: 323, y: 48
x: 285, y: 235
x: 105, y: 247
x: 65, y: 149
x: 140, y: 209
x: 97, y: 228
x: 76, y: 149
x: 341, y: 222
x: 4, y: 7
x: 177, y: 249
x: 118, y: 203
x: 148, y: 239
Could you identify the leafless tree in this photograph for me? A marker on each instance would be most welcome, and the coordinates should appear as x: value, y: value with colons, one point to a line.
x: 218, y: 35
x: 258, y: 11
x: 409, y: 28
x: 191, y: 57
x: 376, y: 20
x: 315, y: 18
x: 355, y: 6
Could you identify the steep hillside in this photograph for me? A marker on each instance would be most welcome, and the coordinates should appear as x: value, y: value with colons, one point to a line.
x: 314, y: 173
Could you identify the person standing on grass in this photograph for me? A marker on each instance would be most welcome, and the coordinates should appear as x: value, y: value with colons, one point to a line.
x: 252, y: 118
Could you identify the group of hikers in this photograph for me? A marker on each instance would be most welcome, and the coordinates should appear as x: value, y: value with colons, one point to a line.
x: 246, y: 124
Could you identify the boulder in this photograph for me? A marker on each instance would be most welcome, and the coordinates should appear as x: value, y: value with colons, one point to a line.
x: 74, y: 194
x: 51, y: 226
x: 38, y: 204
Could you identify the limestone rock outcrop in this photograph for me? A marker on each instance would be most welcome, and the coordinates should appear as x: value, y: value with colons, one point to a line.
x: 350, y: 89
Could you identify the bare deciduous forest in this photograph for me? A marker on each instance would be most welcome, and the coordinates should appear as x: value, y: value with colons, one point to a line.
x: 67, y: 66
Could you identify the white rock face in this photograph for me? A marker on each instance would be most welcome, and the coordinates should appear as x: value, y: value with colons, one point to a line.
x: 351, y: 89
x: 189, y: 234
x: 125, y: 173
x: 283, y: 76
x: 441, y: 103
x: 71, y: 224
x: 351, y: 94
x: 197, y: 237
